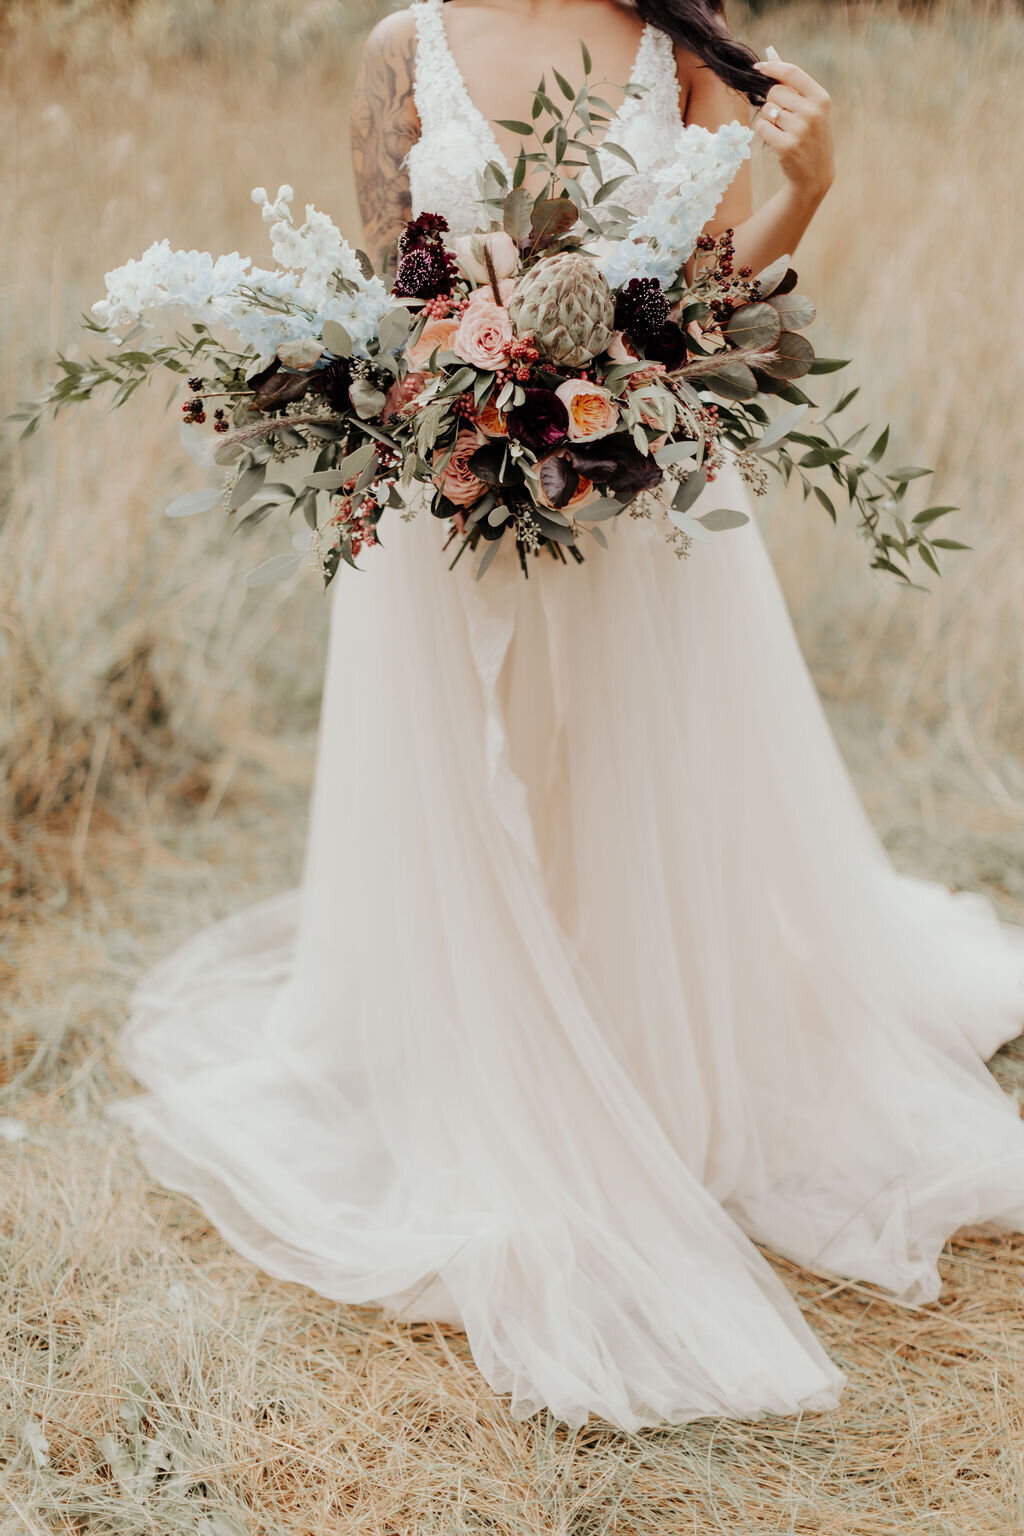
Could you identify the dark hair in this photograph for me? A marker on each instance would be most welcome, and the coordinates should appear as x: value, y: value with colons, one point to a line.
x: 699, y: 25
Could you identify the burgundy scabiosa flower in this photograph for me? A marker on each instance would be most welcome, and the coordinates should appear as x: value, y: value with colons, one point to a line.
x: 540, y: 423
x: 641, y: 310
x: 428, y: 272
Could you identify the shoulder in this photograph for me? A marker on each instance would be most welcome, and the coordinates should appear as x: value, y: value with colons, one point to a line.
x: 392, y: 39
x: 387, y: 71
x: 703, y: 97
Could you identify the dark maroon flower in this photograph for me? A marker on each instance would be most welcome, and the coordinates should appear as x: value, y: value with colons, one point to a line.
x: 425, y: 273
x: 668, y: 346
x: 426, y: 230
x: 332, y: 383
x: 540, y: 423
x: 641, y: 310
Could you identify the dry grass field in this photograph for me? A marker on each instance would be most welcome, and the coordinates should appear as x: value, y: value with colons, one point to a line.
x: 156, y: 731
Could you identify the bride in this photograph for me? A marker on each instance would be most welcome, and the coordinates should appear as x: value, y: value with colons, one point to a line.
x: 598, y: 976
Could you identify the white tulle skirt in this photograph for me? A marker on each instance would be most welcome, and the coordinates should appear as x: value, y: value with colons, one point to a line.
x: 597, y: 973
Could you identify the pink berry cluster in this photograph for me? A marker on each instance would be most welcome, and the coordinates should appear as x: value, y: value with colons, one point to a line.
x: 522, y: 354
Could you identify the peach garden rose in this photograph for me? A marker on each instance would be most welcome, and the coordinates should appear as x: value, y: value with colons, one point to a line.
x: 436, y: 335
x: 593, y: 412
x: 484, y: 336
x: 456, y: 480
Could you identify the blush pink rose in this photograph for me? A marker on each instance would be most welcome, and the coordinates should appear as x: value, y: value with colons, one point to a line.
x: 483, y: 295
x: 435, y: 335
x: 592, y: 410
x: 484, y: 336
x: 456, y: 479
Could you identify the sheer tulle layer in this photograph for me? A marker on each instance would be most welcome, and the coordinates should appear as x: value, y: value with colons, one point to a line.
x: 597, y: 972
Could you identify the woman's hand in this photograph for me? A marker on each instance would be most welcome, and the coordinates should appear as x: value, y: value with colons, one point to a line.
x: 796, y: 124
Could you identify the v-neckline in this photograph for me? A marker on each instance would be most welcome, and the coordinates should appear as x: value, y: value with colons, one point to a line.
x: 485, y: 123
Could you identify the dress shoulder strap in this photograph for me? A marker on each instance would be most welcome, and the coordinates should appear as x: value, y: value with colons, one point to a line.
x: 655, y: 68
x: 435, y: 79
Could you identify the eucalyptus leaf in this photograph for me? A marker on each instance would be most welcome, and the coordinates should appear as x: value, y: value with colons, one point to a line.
x: 517, y: 214
x: 620, y: 154
x: 326, y: 479
x: 771, y: 277
x: 688, y: 524
x: 732, y: 380
x: 794, y: 356
x: 675, y: 453
x: 367, y: 400
x: 354, y: 463
x: 246, y: 486
x: 722, y: 519
x: 690, y: 490
x: 194, y: 502
x: 277, y: 568
x: 488, y: 556
x: 393, y: 329
x: 599, y: 511
x: 259, y: 515
x: 755, y: 325
x: 337, y: 339
x: 931, y: 514
x: 795, y: 311
x: 780, y: 429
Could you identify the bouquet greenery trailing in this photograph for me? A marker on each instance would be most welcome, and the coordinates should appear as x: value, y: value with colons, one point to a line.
x: 569, y: 362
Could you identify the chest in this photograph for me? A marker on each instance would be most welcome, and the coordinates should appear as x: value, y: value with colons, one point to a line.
x: 457, y: 140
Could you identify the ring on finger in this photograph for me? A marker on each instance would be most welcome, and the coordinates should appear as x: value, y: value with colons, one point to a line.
x: 773, y: 113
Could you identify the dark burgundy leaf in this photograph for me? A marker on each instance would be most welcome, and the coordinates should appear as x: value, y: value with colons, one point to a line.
x: 486, y: 464
x: 559, y: 479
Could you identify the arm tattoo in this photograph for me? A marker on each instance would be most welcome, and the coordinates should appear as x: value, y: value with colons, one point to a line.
x: 384, y: 128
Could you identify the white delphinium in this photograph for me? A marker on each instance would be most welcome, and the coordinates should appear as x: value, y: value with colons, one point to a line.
x: 318, y: 278
x: 690, y: 188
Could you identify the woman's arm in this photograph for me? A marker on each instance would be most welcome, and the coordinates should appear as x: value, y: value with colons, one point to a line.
x: 385, y: 126
x: 801, y: 138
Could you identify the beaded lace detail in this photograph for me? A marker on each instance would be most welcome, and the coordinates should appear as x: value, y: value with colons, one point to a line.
x: 457, y: 141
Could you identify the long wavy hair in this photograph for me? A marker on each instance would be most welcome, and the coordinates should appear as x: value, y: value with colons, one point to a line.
x: 699, y: 25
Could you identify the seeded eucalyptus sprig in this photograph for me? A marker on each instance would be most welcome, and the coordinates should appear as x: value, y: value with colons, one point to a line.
x: 127, y: 366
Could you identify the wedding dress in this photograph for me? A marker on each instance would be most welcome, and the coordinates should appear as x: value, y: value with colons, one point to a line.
x: 598, y: 974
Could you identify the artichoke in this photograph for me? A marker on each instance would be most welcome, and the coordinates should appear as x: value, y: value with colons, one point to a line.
x: 568, y: 306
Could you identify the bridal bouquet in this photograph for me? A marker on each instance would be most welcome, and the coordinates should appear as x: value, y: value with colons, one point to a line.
x: 568, y: 363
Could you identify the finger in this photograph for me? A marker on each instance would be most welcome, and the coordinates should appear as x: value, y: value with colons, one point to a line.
x: 785, y: 96
x: 772, y: 134
x: 792, y: 75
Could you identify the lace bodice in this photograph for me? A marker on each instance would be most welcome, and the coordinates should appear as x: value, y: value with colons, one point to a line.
x: 457, y: 141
